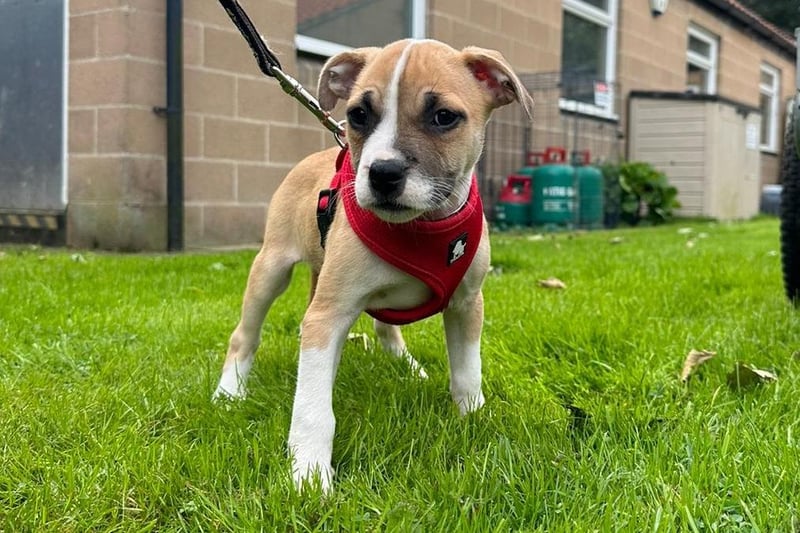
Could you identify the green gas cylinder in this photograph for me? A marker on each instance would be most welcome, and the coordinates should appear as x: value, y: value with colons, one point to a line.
x: 590, y: 191
x: 554, y: 191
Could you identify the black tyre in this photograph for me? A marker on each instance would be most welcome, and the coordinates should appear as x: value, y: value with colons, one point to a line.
x: 790, y: 214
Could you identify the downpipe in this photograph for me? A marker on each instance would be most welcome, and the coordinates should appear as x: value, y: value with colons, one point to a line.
x: 173, y: 113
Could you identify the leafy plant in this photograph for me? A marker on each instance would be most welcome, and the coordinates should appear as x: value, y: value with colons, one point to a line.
x: 646, y: 194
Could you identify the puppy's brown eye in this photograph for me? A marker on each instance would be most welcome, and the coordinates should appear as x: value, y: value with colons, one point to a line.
x: 446, y: 119
x: 357, y: 118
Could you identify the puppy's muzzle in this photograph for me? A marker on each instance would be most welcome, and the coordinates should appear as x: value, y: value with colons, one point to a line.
x: 387, y: 179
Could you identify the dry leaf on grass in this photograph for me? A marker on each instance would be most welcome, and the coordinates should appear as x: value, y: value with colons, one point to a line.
x: 746, y: 375
x: 552, y: 283
x: 694, y: 359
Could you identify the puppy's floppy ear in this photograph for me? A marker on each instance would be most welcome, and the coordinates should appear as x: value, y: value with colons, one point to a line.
x: 497, y: 78
x: 339, y: 75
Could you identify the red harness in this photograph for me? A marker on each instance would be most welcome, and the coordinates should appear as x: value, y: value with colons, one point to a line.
x: 437, y: 252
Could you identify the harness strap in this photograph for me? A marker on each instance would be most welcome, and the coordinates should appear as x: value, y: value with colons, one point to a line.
x: 326, y: 209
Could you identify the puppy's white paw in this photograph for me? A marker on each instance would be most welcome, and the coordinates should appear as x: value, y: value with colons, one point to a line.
x: 222, y: 394
x: 231, y: 386
x: 307, y: 474
x: 470, y: 404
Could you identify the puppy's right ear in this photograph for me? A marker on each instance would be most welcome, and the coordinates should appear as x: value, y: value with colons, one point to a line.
x: 339, y: 75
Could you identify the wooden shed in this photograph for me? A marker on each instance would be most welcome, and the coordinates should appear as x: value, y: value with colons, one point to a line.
x: 708, y: 147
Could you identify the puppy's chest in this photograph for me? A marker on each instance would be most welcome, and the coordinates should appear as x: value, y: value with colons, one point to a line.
x: 401, y: 292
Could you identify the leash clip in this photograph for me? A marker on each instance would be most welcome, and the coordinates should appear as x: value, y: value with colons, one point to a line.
x: 293, y: 88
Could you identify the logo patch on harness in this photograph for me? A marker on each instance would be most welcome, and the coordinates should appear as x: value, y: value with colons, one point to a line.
x: 457, y: 249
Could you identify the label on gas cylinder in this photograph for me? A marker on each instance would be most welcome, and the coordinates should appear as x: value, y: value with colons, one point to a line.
x: 559, y: 191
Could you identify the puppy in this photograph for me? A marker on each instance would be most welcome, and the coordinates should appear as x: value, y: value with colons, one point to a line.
x: 392, y: 226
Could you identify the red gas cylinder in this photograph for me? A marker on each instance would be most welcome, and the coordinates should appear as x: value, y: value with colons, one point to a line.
x: 513, y: 205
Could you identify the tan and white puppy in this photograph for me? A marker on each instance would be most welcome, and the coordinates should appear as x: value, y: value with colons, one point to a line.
x: 416, y: 114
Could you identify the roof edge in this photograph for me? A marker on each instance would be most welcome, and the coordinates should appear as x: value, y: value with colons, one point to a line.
x: 751, y: 19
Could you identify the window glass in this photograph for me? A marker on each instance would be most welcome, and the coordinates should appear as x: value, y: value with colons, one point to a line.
x: 701, y: 61
x: 602, y: 4
x: 355, y: 23
x: 696, y: 79
x: 765, y: 105
x: 583, y: 57
x: 699, y: 46
x: 769, y: 93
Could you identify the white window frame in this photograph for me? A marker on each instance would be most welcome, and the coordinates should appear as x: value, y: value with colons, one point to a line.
x: 320, y: 47
x: 607, y: 19
x: 773, y: 91
x: 710, y: 65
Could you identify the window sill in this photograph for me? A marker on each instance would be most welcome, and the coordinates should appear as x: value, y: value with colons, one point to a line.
x: 582, y: 108
x: 310, y: 45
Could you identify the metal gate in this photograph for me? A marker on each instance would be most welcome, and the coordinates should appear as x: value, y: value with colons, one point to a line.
x: 32, y: 109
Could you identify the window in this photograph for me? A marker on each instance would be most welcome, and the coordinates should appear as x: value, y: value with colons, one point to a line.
x: 769, y: 87
x: 701, y: 61
x: 327, y: 27
x: 588, y: 56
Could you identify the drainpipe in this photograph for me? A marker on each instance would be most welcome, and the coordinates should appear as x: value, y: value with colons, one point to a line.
x: 174, y: 115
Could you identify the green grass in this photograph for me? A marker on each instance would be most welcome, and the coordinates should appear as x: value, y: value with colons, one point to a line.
x: 107, y: 364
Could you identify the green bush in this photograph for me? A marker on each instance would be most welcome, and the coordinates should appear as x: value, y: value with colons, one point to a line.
x: 641, y: 193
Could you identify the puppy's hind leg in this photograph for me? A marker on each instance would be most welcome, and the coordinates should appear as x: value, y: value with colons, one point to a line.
x: 392, y: 341
x: 269, y: 277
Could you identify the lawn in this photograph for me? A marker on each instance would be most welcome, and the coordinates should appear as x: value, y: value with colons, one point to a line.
x: 108, y: 362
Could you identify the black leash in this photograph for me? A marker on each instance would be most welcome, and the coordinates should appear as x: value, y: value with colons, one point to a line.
x: 270, y: 66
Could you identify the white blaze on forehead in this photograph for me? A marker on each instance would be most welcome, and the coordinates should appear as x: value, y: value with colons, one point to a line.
x: 380, y: 145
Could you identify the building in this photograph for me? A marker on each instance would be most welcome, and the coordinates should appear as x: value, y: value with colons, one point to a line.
x: 83, y: 135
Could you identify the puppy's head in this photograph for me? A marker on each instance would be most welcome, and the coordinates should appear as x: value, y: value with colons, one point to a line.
x: 416, y: 115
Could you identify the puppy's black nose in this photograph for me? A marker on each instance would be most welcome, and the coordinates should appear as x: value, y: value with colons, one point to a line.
x: 387, y: 177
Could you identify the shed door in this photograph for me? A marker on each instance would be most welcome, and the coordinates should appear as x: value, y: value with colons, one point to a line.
x: 32, y: 106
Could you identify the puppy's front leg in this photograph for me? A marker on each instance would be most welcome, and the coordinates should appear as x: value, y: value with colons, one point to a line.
x: 313, y: 422
x: 462, y: 323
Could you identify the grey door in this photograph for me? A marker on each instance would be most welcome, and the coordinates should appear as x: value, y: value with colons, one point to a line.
x: 32, y: 106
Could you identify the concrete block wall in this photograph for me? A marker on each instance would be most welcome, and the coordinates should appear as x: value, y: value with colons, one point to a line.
x: 527, y: 33
x: 116, y: 164
x: 645, y: 37
x: 741, y: 53
x: 242, y: 133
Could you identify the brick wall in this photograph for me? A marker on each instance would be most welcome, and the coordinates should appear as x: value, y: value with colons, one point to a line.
x: 116, y: 143
x: 527, y: 33
x: 741, y: 54
x: 242, y: 132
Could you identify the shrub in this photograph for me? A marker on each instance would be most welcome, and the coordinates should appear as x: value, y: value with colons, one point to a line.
x: 644, y: 193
